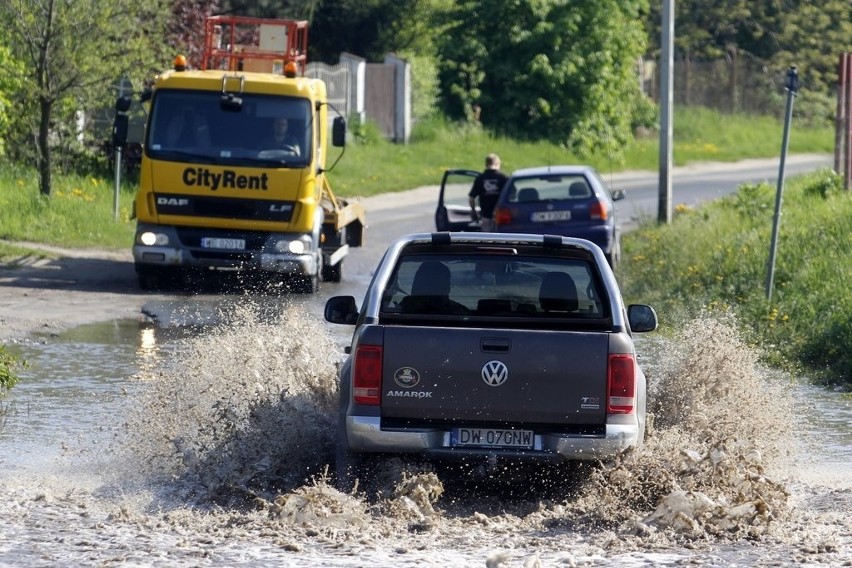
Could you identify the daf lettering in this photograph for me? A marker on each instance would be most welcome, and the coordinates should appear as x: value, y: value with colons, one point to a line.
x: 173, y: 201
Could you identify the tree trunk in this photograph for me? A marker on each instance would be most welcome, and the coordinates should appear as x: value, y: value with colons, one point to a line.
x: 44, y: 165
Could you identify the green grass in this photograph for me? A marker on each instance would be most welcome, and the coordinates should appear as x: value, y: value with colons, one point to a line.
x: 699, y: 135
x: 78, y: 213
x: 717, y: 258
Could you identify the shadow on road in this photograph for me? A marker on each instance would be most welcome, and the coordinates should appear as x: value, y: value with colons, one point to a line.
x: 71, y: 274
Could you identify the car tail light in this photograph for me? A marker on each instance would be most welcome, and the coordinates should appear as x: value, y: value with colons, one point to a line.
x: 621, y: 384
x: 599, y: 210
x: 367, y: 383
x: 502, y: 216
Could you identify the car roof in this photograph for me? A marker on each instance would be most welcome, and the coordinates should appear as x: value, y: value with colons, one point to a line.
x: 558, y: 170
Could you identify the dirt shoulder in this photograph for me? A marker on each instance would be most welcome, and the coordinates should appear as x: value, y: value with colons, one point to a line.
x: 75, y: 288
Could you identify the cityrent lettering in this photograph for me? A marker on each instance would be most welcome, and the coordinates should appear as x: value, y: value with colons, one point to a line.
x: 226, y: 179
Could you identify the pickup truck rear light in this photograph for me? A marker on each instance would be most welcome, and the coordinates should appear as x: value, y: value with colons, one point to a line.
x: 599, y: 210
x: 367, y: 383
x: 502, y: 216
x: 621, y: 384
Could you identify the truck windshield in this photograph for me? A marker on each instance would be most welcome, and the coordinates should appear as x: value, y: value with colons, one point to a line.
x: 192, y: 126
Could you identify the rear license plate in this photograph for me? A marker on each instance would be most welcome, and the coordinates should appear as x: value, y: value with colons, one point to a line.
x: 492, y: 438
x: 231, y: 244
x: 541, y: 216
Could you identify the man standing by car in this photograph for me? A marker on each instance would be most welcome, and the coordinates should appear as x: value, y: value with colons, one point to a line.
x: 486, y: 187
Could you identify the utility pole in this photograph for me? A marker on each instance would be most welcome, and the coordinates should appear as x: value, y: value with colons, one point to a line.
x: 792, y: 85
x: 119, y: 140
x: 664, y: 212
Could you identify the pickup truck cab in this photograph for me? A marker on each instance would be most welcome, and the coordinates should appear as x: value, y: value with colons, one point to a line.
x: 490, y: 346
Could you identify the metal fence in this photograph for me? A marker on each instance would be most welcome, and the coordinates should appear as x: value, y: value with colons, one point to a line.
x: 734, y: 84
x: 338, y: 84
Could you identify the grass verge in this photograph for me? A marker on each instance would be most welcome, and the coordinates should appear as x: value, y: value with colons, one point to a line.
x: 717, y: 258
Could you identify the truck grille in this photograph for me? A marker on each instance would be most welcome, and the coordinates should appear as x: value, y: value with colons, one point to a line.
x: 224, y: 207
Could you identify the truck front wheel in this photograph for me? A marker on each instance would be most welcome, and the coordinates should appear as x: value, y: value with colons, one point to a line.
x: 333, y: 273
x: 153, y: 279
x: 308, y: 283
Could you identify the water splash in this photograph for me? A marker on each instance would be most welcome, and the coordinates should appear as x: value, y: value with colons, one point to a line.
x: 243, y: 417
x: 720, y: 426
x: 245, y: 411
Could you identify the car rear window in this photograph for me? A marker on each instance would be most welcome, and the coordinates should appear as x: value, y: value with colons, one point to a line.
x: 547, y: 188
x: 495, y: 287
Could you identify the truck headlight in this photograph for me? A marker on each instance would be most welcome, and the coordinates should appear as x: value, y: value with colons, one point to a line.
x: 150, y: 238
x: 298, y: 246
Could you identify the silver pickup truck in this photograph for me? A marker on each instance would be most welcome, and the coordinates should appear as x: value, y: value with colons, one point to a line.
x: 490, y: 346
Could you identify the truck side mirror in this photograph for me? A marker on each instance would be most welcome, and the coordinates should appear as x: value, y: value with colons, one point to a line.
x: 338, y: 132
x: 119, y: 131
x: 119, y: 125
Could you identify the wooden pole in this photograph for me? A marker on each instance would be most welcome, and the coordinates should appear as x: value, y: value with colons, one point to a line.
x: 840, y: 117
x: 847, y: 170
x: 664, y: 206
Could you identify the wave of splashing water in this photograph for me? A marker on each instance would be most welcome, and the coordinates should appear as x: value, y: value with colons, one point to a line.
x: 245, y: 416
x: 245, y: 411
x: 720, y: 427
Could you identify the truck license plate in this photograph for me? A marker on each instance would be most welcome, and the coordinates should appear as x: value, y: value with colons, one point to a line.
x: 493, y: 438
x: 543, y: 216
x: 231, y: 244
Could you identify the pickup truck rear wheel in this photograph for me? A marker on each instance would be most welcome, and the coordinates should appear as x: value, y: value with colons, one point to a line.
x: 348, y: 468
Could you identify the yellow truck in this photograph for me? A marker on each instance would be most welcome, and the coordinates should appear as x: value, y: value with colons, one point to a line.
x: 233, y: 174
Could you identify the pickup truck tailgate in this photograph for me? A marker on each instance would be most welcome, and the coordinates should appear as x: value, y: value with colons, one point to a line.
x: 505, y: 376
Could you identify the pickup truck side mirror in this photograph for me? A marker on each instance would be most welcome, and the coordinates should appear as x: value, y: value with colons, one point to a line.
x: 641, y: 318
x: 341, y: 309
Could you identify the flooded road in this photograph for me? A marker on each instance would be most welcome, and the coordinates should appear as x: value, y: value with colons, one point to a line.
x: 196, y: 431
x: 180, y: 442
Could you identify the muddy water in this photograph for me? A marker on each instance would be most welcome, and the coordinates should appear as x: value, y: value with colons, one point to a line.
x: 144, y: 445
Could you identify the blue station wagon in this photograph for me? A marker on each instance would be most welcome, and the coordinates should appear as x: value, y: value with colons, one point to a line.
x: 571, y: 201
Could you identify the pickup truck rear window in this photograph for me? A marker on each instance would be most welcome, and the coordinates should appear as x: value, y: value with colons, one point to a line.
x: 474, y: 287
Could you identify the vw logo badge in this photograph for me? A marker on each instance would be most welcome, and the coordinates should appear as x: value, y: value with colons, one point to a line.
x: 494, y: 373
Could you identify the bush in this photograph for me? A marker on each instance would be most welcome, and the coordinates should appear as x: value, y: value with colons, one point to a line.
x: 8, y: 364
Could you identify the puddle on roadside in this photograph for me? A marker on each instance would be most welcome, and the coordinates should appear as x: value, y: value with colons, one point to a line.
x: 73, y: 386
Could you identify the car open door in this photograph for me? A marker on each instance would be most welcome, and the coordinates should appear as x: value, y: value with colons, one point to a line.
x: 453, y: 211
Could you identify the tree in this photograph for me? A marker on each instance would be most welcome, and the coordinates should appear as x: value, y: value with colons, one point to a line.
x: 295, y: 9
x: 562, y: 70
x: 11, y: 85
x: 186, y: 27
x: 74, y: 50
x: 807, y: 33
x: 812, y: 37
x: 374, y: 28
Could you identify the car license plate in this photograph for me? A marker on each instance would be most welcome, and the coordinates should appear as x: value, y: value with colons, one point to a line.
x: 231, y: 244
x: 493, y: 438
x: 542, y: 216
